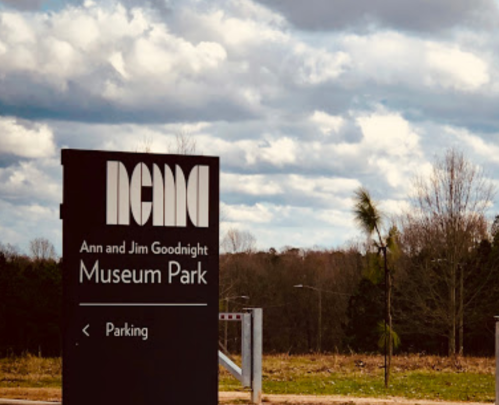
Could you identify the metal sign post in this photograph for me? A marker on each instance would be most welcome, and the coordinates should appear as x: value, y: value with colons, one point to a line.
x: 140, y: 256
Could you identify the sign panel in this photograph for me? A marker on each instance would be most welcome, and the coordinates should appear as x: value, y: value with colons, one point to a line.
x: 140, y: 255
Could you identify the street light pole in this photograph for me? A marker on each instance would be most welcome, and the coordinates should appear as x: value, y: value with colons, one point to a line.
x: 320, y: 291
x: 319, y: 345
x: 319, y: 326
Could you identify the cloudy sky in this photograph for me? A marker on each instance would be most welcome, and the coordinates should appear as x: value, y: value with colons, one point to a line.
x: 303, y: 101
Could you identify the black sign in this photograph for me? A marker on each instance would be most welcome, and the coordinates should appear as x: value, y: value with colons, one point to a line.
x: 140, y: 254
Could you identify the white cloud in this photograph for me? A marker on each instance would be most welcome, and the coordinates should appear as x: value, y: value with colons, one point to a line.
x: 273, y: 150
x: 327, y: 123
x: 279, y: 151
x: 391, y: 58
x: 299, y: 119
x: 30, y: 181
x: 279, y: 226
x: 116, y: 60
x: 486, y: 150
x: 246, y: 214
x: 392, y: 146
x: 103, y: 55
x: 30, y: 140
x: 388, y: 132
x: 318, y: 65
x: 292, y: 190
x: 451, y: 67
x: 20, y: 223
x: 90, y: 45
x: 387, y: 144
x: 337, y: 218
x: 330, y: 186
x: 257, y: 185
x: 395, y: 207
x: 241, y: 26
x: 15, y: 30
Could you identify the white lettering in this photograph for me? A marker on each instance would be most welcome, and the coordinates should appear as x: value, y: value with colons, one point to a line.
x: 118, y: 194
x: 186, y: 276
x: 93, y: 273
x: 126, y: 331
x: 171, y: 273
x: 173, y: 198
x: 117, y: 276
x: 141, y: 177
x: 86, y: 248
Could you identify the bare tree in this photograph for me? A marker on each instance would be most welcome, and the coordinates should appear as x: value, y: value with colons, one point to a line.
x: 185, y: 144
x: 447, y: 219
x: 42, y: 249
x: 236, y: 241
x: 145, y: 146
x: 9, y: 251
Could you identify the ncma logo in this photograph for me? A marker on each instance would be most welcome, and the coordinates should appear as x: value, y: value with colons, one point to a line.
x: 173, y: 198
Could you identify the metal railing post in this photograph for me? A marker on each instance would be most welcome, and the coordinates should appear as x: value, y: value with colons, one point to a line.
x: 246, y: 333
x: 256, y: 377
x: 250, y: 373
x: 243, y: 373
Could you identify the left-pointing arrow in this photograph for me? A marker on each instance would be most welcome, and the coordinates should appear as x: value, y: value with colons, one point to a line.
x: 84, y: 330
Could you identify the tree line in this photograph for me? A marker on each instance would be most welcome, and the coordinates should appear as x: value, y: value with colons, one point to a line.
x: 30, y: 300
x: 333, y: 301
x: 425, y: 280
x: 441, y: 258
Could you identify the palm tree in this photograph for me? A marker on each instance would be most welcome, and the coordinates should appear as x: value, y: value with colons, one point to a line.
x: 369, y: 218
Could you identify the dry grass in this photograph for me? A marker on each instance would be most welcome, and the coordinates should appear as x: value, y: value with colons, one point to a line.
x: 285, y: 365
x: 316, y: 364
x: 32, y: 394
x: 32, y: 377
x: 30, y: 371
x: 413, y: 376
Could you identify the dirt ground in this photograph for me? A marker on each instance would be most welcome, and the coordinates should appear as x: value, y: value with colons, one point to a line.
x: 230, y: 398
x: 239, y: 398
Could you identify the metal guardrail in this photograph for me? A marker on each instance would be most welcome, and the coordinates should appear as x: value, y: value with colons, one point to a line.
x: 250, y: 373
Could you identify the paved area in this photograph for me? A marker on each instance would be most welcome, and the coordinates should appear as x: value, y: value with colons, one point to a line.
x: 239, y: 398
x: 228, y: 398
x: 24, y: 402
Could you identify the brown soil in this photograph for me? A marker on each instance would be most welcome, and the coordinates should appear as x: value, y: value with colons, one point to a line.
x: 33, y: 394
x: 240, y: 398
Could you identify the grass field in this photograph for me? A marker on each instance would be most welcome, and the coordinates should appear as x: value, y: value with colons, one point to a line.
x: 31, y: 377
x: 415, y: 377
x: 419, y: 377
